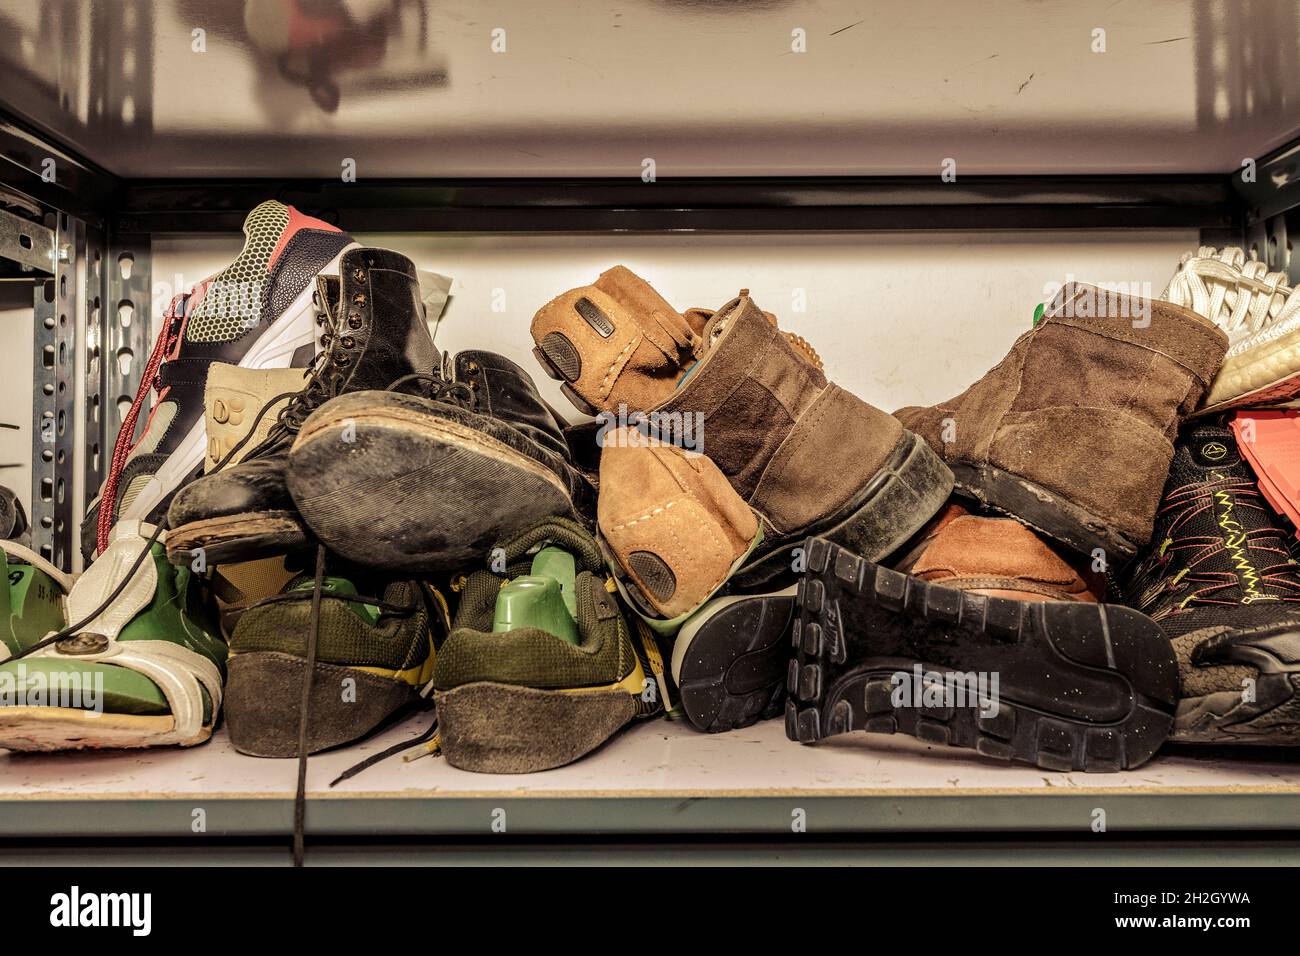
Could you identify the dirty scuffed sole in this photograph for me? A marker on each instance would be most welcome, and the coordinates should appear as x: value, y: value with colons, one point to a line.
x: 906, y: 492
x: 46, y: 729
x: 487, y: 727
x: 1079, y: 686
x: 730, y: 660
x: 417, y: 493
x: 1042, y: 510
x: 235, y: 538
x: 264, y: 700
x: 1271, y: 719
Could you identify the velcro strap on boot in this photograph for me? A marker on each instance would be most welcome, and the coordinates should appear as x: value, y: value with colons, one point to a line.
x: 663, y: 326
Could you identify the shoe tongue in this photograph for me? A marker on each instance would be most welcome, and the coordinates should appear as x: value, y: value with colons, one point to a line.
x: 1209, y: 450
x: 329, y: 289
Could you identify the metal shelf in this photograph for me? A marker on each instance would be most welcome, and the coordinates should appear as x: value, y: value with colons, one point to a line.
x: 658, y: 777
x: 114, y: 135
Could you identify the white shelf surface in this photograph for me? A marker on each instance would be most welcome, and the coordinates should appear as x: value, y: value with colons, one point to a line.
x: 657, y: 776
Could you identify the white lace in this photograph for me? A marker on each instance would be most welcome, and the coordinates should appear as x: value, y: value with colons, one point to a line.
x: 1237, y: 294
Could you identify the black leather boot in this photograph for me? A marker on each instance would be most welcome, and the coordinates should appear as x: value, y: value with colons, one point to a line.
x: 375, y: 335
x: 432, y: 481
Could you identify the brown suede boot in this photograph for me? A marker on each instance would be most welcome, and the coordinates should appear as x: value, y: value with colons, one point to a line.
x: 999, y: 557
x: 1073, y: 431
x: 674, y: 528
x: 807, y: 456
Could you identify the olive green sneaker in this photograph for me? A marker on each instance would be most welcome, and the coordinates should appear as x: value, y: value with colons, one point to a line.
x: 144, y: 671
x: 542, y: 665
x: 375, y: 650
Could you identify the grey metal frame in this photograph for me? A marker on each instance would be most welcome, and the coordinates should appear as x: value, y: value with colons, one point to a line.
x: 93, y: 221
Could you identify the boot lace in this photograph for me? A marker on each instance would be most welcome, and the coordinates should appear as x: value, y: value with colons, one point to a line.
x: 439, y: 388
x: 173, y: 321
x: 324, y: 377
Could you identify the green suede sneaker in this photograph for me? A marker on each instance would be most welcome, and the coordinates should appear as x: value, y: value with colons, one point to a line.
x: 374, y: 658
x: 145, y: 672
x: 520, y: 688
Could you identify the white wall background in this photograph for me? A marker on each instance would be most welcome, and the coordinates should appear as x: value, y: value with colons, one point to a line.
x: 899, y: 319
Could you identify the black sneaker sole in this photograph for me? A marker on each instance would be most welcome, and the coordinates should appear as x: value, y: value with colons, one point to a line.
x: 1080, y: 686
x: 734, y: 661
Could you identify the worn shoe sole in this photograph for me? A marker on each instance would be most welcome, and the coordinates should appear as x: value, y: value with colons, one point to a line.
x: 1266, y: 373
x: 46, y: 729
x: 907, y: 491
x: 1079, y: 686
x: 488, y: 727
x: 415, y: 492
x: 730, y: 660
x: 234, y: 538
x: 1042, y: 510
x: 264, y: 696
x: 1271, y: 719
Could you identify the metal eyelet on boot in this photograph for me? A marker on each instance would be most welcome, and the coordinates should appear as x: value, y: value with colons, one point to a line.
x: 82, y: 645
x: 354, y: 320
x: 358, y: 275
x: 359, y: 299
x: 348, y: 342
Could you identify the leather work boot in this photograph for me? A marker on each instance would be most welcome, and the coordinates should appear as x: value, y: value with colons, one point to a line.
x: 1072, y: 433
x: 999, y: 557
x: 1220, y: 582
x: 807, y: 456
x: 374, y: 335
x: 429, y: 481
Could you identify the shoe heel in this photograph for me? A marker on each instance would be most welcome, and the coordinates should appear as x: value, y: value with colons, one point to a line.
x: 909, y: 490
x: 263, y: 703
x: 487, y: 727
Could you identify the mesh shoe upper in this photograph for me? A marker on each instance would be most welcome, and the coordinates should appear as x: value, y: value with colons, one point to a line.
x: 251, y: 313
x: 1219, y: 558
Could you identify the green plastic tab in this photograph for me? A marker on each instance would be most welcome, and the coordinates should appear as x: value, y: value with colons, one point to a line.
x: 543, y: 599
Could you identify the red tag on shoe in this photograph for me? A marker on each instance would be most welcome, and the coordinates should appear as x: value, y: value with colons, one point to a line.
x: 1270, y: 441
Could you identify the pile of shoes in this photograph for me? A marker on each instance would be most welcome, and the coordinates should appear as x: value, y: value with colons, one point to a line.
x: 328, y: 523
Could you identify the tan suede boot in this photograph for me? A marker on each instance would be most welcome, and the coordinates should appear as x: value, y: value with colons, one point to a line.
x: 807, y: 456
x: 999, y: 557
x: 673, y: 526
x: 1073, y: 431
